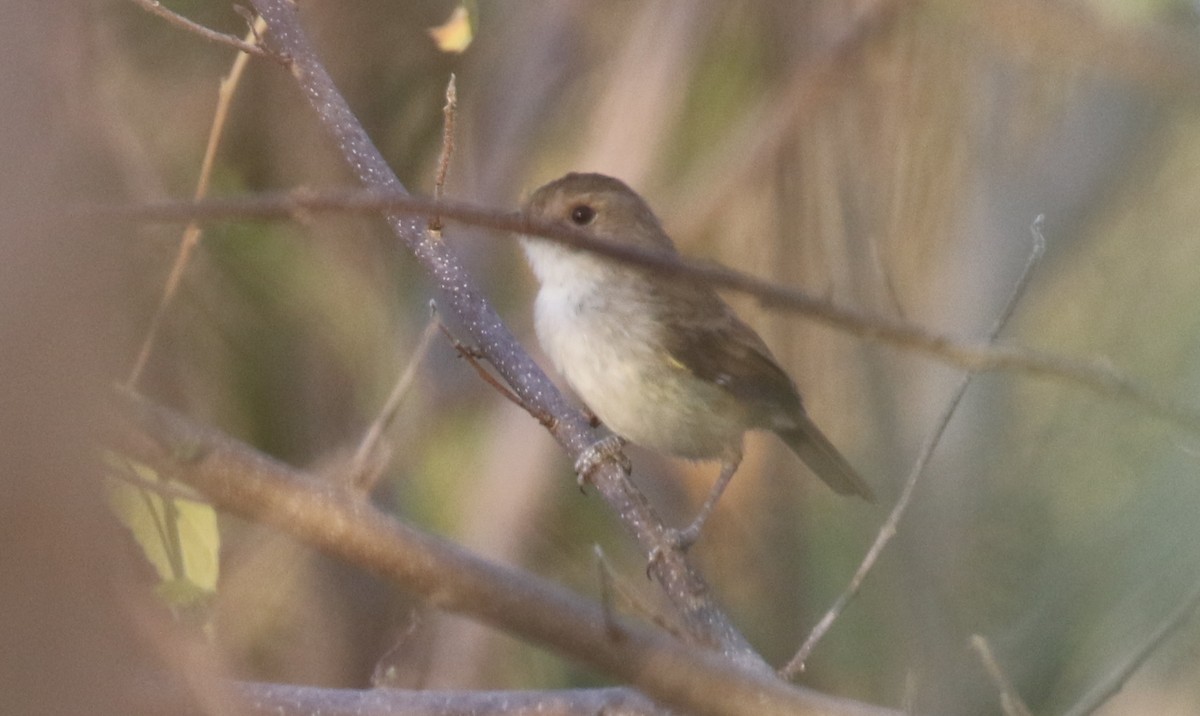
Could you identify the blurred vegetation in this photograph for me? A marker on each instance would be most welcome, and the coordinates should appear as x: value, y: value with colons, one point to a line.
x: 889, y: 155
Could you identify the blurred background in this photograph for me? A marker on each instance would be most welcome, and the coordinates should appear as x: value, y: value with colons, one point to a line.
x: 891, y: 156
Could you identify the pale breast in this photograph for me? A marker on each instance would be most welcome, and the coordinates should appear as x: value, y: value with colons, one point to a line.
x: 611, y: 354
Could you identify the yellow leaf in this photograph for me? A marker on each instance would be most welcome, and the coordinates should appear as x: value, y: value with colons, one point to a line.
x: 178, y: 536
x: 455, y: 34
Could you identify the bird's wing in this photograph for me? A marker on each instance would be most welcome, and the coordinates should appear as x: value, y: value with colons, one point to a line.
x: 730, y: 354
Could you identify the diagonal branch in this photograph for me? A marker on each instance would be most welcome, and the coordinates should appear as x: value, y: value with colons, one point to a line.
x: 705, y: 621
x: 339, y: 522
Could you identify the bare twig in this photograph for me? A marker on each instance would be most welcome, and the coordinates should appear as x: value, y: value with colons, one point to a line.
x: 605, y: 576
x: 363, y: 469
x: 1098, y: 376
x: 439, y: 183
x: 192, y: 234
x: 472, y: 357
x: 339, y: 522
x: 156, y: 8
x: 888, y: 530
x: 1111, y: 683
x: 616, y: 586
x: 1010, y: 701
x: 707, y: 624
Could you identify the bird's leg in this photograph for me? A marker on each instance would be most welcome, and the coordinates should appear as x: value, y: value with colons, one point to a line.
x: 684, y: 538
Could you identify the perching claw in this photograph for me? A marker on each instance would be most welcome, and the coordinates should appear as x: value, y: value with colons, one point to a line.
x: 607, y: 448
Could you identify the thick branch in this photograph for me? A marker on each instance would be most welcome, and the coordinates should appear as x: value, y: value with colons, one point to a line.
x: 287, y: 700
x: 237, y: 479
x: 683, y: 585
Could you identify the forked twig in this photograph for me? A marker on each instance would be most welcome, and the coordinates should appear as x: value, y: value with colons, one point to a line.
x: 888, y: 530
x: 156, y: 8
x: 473, y: 356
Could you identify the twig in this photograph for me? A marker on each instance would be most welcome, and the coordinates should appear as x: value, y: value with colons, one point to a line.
x: 1098, y: 376
x: 1112, y: 683
x: 156, y: 8
x: 472, y: 356
x: 192, y: 234
x: 339, y: 522
x: 888, y: 530
x: 616, y: 586
x: 605, y: 577
x: 357, y: 470
x: 1010, y: 701
x: 439, y: 183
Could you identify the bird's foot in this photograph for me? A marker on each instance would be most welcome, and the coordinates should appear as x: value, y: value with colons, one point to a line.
x: 607, y: 448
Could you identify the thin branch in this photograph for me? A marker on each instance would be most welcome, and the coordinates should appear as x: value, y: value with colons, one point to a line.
x: 1010, y: 701
x: 617, y: 586
x: 338, y: 521
x: 154, y: 7
x: 365, y: 466
x: 1108, y: 686
x: 888, y: 530
x: 605, y: 577
x: 706, y: 622
x: 1098, y: 376
x: 191, y: 235
x: 443, y: 169
x: 472, y: 356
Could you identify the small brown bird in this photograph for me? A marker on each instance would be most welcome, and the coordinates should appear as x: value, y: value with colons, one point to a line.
x: 664, y: 363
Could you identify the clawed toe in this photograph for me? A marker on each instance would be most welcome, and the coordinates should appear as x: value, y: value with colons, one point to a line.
x: 608, y: 448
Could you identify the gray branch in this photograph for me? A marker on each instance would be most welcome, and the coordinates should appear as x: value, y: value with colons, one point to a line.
x: 689, y: 593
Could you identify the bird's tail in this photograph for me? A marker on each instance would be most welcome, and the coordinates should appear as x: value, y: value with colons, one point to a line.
x: 807, y: 441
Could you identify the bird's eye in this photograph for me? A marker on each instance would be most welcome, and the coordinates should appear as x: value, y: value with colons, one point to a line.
x: 582, y: 215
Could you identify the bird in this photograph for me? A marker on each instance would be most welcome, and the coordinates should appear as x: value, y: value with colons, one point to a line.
x: 663, y: 362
